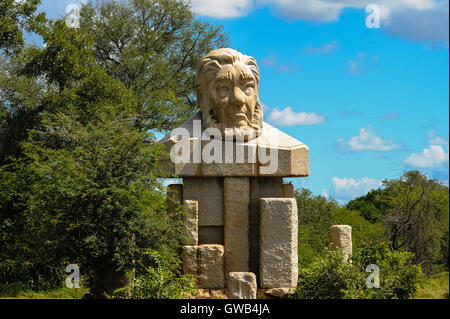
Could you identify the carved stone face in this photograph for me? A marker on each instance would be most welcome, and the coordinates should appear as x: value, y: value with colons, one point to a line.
x: 227, y: 92
x: 234, y: 96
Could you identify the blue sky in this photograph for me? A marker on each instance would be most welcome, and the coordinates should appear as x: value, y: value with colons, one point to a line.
x: 369, y: 103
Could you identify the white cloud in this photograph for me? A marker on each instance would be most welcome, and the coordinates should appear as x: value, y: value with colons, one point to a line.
x: 425, y: 24
x: 328, y: 48
x: 287, y: 117
x: 416, y: 20
x: 349, y: 188
x: 431, y: 157
x: 434, y: 157
x: 436, y: 140
x: 367, y: 140
x: 221, y: 8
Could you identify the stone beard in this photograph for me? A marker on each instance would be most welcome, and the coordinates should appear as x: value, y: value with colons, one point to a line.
x: 226, y: 86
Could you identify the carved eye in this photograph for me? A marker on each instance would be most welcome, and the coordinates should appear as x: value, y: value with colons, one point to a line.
x: 223, y: 89
x: 248, y: 88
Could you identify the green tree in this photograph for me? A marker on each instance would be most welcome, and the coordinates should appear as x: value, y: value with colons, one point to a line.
x: 15, y: 17
x: 81, y: 164
x: 362, y: 230
x: 371, y: 206
x: 417, y: 218
x: 315, y: 216
x: 152, y: 47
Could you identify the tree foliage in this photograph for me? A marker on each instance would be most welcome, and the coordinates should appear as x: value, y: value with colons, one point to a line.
x: 16, y: 16
x: 152, y: 47
x: 329, y: 277
x: 371, y: 206
x: 78, y: 163
x: 418, y: 216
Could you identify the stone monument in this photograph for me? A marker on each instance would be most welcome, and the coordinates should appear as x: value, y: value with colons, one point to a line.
x: 241, y: 219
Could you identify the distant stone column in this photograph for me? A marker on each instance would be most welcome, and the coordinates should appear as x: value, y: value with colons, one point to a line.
x: 341, y: 236
x: 237, y: 217
x: 278, y: 242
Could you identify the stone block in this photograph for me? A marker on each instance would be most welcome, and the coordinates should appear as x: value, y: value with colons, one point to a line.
x: 278, y: 242
x: 189, y: 259
x: 211, y: 266
x: 209, y: 194
x: 241, y: 285
x: 280, y: 292
x: 236, y: 230
x: 290, y: 156
x: 341, y: 236
x: 190, y: 222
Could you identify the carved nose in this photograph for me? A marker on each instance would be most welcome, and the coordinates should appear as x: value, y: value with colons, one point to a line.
x: 237, y: 97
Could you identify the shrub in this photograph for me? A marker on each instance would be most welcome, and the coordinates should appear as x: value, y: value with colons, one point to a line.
x: 158, y: 276
x: 331, y: 278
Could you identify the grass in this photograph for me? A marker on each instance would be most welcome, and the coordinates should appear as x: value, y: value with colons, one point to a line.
x: 434, y: 287
x: 61, y: 293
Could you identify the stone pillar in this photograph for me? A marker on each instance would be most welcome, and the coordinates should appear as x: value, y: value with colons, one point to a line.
x: 341, y: 236
x: 278, y: 242
x: 241, y: 285
x: 236, y: 232
x: 191, y: 222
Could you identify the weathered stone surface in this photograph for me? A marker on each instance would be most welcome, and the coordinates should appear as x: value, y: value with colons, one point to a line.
x: 236, y: 236
x: 341, y: 236
x: 209, y: 194
x: 289, y: 156
x: 211, y: 266
x: 288, y: 191
x: 280, y: 292
x: 191, y: 222
x: 278, y: 242
x: 218, y: 105
x: 174, y: 197
x: 260, y: 187
x: 189, y: 258
x: 241, y: 285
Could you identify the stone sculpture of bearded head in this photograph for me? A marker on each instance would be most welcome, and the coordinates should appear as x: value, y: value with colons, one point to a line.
x: 226, y: 85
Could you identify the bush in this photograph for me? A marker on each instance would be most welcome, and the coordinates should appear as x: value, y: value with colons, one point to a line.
x: 331, y: 278
x: 326, y: 278
x: 158, y: 276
